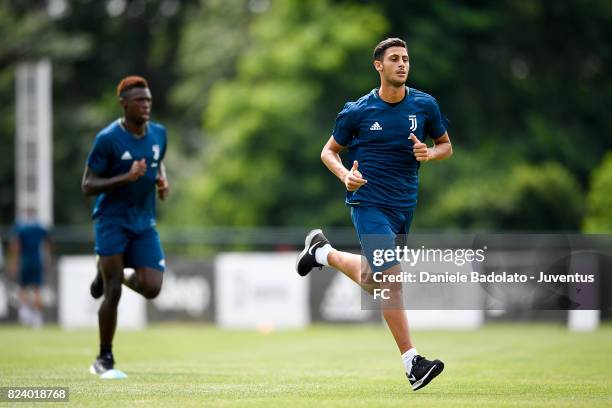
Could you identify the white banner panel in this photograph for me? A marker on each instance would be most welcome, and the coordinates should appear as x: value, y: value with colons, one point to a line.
x: 3, y: 300
x: 583, y: 320
x: 260, y: 291
x: 445, y: 319
x: 342, y: 301
x: 77, y: 309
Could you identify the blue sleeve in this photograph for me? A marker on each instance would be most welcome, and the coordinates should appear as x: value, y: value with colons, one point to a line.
x: 345, y: 127
x: 43, y: 231
x: 436, y: 122
x: 98, y: 159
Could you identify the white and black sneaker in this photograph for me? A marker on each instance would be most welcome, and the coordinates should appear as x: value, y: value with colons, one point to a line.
x: 102, y: 364
x: 307, y: 260
x: 423, y: 371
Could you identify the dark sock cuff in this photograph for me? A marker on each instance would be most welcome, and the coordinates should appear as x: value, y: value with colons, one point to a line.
x: 106, y: 349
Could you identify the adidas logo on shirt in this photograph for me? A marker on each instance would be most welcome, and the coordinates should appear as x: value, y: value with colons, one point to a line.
x: 376, y: 126
x: 126, y: 156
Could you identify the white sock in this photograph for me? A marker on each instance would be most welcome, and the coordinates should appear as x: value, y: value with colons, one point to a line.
x: 321, y: 254
x: 37, y: 319
x: 128, y: 273
x: 407, y: 359
x: 25, y: 314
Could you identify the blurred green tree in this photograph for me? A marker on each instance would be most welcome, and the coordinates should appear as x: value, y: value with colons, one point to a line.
x: 213, y: 36
x: 266, y: 127
x: 599, y: 200
x: 545, y: 197
x: 522, y: 82
x: 28, y: 33
x: 542, y: 197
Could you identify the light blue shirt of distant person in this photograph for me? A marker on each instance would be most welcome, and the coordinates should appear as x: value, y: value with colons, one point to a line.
x: 377, y: 136
x: 113, y: 152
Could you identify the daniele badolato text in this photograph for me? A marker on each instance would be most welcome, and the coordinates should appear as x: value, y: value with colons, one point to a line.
x: 459, y: 257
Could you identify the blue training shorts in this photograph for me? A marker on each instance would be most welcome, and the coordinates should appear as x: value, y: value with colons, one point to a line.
x: 378, y: 229
x: 140, y: 248
x: 31, y: 275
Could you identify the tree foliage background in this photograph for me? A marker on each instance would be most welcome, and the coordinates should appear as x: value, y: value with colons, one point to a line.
x: 249, y: 90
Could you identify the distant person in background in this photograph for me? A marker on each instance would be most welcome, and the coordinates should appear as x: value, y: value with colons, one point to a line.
x: 30, y: 253
x: 124, y: 169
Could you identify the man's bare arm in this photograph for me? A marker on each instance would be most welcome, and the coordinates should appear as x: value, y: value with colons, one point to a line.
x: 330, y: 155
x: 442, y: 148
x: 163, y: 187
x: 93, y: 184
x: 13, y: 257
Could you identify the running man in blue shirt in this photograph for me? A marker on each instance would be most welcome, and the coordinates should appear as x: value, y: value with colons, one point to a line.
x: 30, y: 253
x: 124, y: 169
x: 384, y: 132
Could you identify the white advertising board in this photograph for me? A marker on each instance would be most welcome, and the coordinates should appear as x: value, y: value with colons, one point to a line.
x: 77, y: 309
x: 260, y: 291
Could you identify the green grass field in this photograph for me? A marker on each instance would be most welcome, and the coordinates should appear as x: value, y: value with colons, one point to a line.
x: 324, y: 366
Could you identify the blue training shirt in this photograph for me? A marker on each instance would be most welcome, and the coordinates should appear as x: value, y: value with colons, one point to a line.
x: 31, y: 236
x: 376, y: 134
x: 113, y: 152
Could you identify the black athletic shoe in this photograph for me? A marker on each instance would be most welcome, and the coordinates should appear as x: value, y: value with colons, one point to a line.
x: 423, y: 371
x: 97, y: 286
x: 102, y: 365
x: 306, y: 260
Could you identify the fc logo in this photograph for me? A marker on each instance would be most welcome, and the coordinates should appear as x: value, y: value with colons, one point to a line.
x: 413, y: 122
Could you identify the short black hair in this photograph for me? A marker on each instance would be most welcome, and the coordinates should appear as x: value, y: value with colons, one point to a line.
x: 382, y: 46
